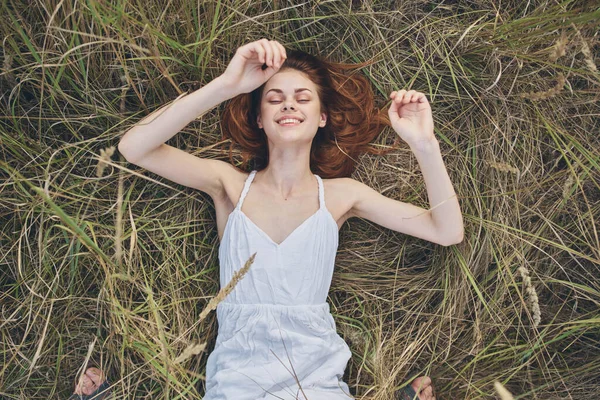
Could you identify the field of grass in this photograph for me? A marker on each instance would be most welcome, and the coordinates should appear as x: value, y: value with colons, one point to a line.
x: 105, y: 264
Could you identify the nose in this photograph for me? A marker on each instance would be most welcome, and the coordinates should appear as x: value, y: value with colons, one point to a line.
x: 285, y: 105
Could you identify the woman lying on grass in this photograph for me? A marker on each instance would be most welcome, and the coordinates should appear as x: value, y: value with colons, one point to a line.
x: 302, y: 123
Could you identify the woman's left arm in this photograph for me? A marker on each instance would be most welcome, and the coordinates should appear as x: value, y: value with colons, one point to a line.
x: 411, y: 118
x: 445, y: 210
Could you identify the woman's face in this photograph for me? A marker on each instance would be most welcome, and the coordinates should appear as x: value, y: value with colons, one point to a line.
x: 290, y: 93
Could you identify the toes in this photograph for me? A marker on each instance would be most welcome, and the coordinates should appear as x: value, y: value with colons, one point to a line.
x: 79, y: 387
x: 95, y: 375
x: 426, y: 381
x: 422, y: 385
x: 85, y: 386
x: 90, y: 381
x: 427, y: 392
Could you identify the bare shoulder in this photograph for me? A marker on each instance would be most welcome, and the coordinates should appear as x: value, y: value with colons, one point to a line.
x: 232, y: 180
x: 352, y: 194
x: 339, y: 197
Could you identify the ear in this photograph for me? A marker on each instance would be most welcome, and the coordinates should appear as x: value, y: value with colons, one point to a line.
x: 259, y: 121
x: 323, y: 121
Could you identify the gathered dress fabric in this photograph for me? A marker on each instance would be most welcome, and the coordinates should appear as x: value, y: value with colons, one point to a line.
x: 277, y: 338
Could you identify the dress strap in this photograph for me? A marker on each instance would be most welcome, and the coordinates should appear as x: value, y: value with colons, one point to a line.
x: 249, y: 180
x: 321, y: 192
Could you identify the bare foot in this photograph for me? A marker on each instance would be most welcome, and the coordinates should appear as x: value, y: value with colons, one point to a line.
x: 90, y: 382
x: 422, y: 385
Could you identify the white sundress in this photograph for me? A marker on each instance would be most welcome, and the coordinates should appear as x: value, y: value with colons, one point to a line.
x: 275, y: 327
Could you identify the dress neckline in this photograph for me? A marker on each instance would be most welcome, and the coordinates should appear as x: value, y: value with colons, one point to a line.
x: 291, y: 234
x: 258, y: 228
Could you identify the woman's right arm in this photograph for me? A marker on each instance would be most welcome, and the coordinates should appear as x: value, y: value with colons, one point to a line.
x: 144, y: 144
x: 167, y: 121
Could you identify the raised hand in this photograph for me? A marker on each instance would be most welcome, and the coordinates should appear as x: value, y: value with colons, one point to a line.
x: 245, y: 73
x: 410, y: 116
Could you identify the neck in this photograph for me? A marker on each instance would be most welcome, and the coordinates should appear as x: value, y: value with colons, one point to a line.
x: 288, y: 172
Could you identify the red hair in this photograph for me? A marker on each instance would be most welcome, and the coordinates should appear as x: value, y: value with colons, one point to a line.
x: 352, y: 119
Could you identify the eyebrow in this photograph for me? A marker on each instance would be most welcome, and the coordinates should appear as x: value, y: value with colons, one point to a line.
x: 281, y: 91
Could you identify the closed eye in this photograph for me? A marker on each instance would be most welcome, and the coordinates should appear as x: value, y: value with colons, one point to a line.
x: 275, y: 102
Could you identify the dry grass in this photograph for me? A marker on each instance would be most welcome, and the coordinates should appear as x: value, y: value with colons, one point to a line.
x: 107, y: 265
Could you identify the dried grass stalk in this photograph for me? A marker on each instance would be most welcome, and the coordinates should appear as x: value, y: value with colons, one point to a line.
x: 559, y: 48
x: 105, y: 155
x: 532, y: 294
x: 504, y: 394
x: 536, y: 96
x: 192, y: 350
x: 237, y: 276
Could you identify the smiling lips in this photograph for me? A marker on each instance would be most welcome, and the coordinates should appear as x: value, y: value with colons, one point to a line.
x: 289, y: 122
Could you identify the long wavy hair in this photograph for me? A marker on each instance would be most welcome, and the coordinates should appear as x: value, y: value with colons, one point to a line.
x: 353, y: 121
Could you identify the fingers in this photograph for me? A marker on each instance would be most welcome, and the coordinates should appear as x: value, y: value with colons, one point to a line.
x: 263, y: 50
x: 270, y: 52
x: 275, y: 53
x: 405, y: 97
x: 276, y: 56
x: 259, y: 50
x: 280, y: 54
x: 283, y: 53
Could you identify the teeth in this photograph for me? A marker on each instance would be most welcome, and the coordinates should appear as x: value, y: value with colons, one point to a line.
x: 289, y: 120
